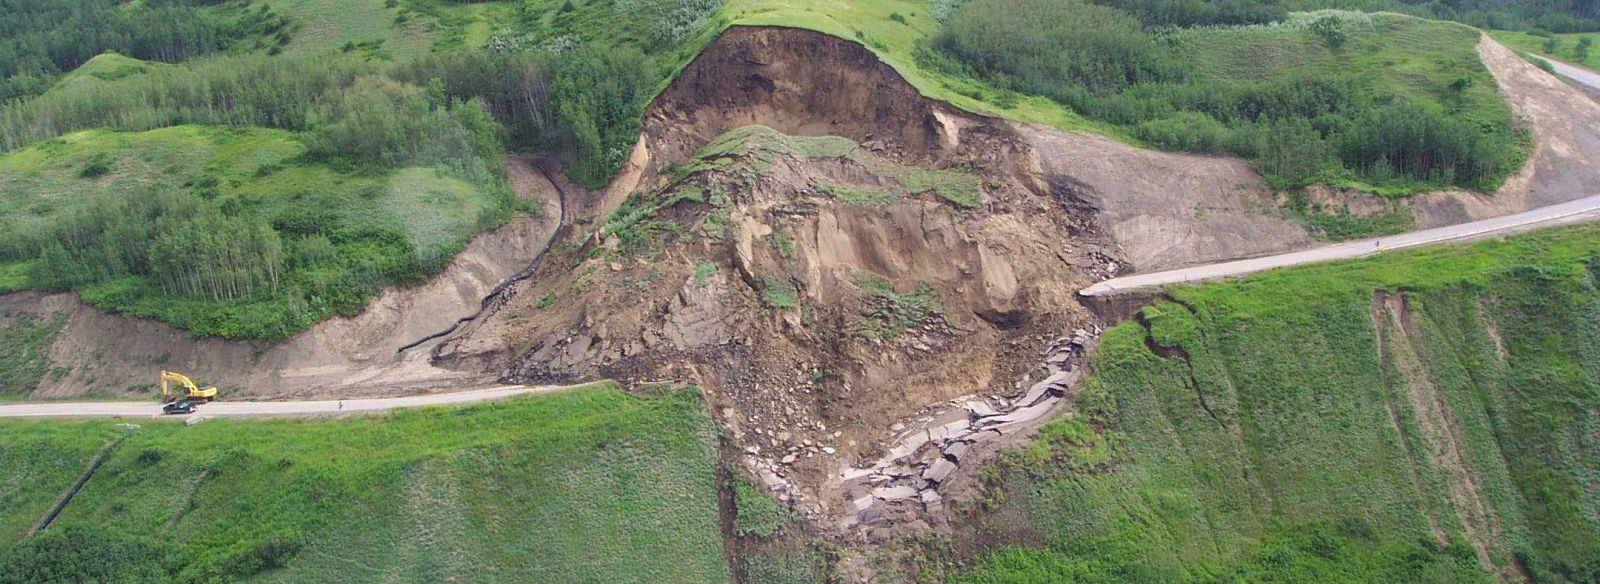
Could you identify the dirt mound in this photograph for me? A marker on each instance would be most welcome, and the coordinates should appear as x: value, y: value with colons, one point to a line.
x: 1165, y: 209
x: 797, y: 82
x: 104, y: 354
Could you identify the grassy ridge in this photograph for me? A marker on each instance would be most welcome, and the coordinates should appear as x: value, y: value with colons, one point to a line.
x: 1260, y: 431
x: 589, y: 485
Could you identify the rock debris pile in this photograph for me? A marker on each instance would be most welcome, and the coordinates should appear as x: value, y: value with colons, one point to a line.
x: 925, y: 456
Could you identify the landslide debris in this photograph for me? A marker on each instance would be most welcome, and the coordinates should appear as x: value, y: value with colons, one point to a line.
x: 834, y: 258
x: 821, y: 289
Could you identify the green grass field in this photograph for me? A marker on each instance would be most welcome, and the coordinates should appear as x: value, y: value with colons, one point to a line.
x: 1408, y: 58
x: 396, y: 30
x: 327, y: 25
x: 587, y: 485
x: 1278, y: 439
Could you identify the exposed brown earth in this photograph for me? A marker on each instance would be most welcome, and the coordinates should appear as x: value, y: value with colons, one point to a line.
x: 807, y: 388
x: 1164, y: 209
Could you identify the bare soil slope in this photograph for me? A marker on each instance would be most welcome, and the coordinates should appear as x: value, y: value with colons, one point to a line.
x: 1165, y: 209
x: 826, y: 252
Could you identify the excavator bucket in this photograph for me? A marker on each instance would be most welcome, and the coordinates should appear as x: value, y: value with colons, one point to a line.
x: 190, y: 391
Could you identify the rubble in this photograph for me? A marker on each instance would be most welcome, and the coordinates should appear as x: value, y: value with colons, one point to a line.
x: 923, y: 458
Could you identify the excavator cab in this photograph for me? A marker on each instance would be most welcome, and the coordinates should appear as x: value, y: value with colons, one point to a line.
x: 191, y: 392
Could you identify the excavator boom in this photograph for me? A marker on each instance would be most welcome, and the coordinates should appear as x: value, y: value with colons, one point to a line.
x: 191, y: 391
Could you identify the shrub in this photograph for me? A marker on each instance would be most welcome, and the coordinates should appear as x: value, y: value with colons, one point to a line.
x: 1037, y: 45
x: 778, y: 293
x: 1421, y: 142
x: 97, y: 167
x: 1185, y: 131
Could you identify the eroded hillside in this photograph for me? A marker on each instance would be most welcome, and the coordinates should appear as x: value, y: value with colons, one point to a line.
x: 1429, y: 417
x: 877, y: 293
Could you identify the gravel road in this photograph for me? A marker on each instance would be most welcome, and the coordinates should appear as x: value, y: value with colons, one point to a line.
x: 1585, y: 209
x: 229, y: 409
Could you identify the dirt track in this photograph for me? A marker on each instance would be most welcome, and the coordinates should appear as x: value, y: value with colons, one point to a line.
x: 226, y: 409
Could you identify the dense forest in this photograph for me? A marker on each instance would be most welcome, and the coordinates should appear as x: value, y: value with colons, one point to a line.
x: 1325, y: 113
x: 42, y: 39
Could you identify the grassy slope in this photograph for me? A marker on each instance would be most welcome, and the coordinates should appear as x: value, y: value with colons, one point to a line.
x: 1526, y: 43
x: 589, y: 485
x: 25, y: 357
x: 399, y: 32
x: 38, y: 465
x: 1292, y: 469
x: 256, y: 171
x: 324, y: 25
x: 107, y: 67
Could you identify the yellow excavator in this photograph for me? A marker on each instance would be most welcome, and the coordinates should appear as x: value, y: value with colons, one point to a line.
x: 194, y: 392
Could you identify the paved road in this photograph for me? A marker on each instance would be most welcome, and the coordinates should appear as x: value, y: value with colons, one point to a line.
x: 1585, y: 209
x: 234, y: 409
x: 1575, y: 73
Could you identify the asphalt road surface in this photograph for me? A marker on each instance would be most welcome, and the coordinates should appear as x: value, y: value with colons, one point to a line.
x: 232, y: 409
x: 1585, y: 209
x: 1577, y: 74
